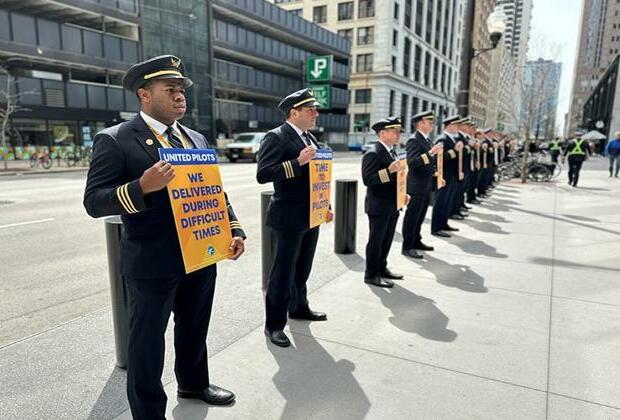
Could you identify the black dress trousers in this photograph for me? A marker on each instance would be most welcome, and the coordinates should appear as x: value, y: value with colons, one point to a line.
x: 382, y: 228
x: 287, y: 291
x: 414, y: 218
x: 151, y: 300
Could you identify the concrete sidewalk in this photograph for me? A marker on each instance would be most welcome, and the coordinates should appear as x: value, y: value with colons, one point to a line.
x: 516, y: 316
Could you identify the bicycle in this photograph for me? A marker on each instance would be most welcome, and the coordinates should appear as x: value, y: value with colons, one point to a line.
x: 42, y: 159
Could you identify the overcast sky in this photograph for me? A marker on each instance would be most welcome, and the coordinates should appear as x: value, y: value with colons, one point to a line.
x: 555, y: 32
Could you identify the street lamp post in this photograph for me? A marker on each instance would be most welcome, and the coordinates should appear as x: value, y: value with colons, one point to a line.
x: 496, y: 26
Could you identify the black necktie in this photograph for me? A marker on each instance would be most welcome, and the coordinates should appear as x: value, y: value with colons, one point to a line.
x: 394, y: 154
x: 173, y: 139
x: 306, y: 139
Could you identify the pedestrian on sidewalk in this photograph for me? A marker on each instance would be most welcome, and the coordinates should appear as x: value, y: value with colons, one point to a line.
x: 613, y: 153
x: 577, y: 150
x: 421, y: 166
x: 127, y: 177
x: 380, y: 166
x: 283, y: 160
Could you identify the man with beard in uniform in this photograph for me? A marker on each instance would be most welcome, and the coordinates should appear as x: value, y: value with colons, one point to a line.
x: 421, y: 167
x: 283, y: 159
x: 445, y: 195
x: 127, y: 177
x: 380, y: 165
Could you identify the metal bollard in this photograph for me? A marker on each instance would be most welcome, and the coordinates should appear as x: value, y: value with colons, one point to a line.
x: 346, y: 216
x: 120, y: 312
x: 267, y: 240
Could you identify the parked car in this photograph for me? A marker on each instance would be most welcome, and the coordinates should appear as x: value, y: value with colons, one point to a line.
x: 245, y: 146
x: 367, y: 146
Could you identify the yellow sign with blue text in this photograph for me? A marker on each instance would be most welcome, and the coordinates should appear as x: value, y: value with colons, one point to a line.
x: 320, y: 186
x: 401, y: 182
x: 199, y: 206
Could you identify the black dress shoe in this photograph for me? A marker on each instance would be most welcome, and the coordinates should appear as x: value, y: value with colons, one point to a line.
x: 463, y: 215
x: 457, y: 217
x: 278, y: 338
x: 378, y: 281
x: 412, y: 253
x: 451, y: 229
x: 423, y: 247
x: 213, y: 395
x: 466, y: 207
x: 474, y: 201
x: 387, y: 274
x: 309, y: 315
x: 441, y: 234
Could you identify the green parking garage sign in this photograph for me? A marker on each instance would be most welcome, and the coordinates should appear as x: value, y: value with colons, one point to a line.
x: 319, y: 68
x: 321, y: 93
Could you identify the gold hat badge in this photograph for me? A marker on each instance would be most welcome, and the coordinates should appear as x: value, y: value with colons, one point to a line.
x: 176, y: 62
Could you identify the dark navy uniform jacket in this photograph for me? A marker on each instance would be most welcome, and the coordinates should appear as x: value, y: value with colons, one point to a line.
x: 420, y: 163
x: 149, y: 244
x: 450, y: 161
x: 289, y: 208
x: 467, y: 153
x: 381, y: 191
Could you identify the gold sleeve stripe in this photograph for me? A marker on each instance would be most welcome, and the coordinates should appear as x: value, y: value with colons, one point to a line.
x: 425, y: 159
x: 287, y: 169
x: 383, y: 175
x: 125, y: 194
x: 452, y: 153
x: 290, y: 165
x: 128, y: 197
x: 122, y: 200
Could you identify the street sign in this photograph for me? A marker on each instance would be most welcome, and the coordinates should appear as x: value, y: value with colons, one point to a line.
x: 319, y: 68
x: 322, y: 95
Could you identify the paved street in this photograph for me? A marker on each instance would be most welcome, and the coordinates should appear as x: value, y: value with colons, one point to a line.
x: 514, y: 317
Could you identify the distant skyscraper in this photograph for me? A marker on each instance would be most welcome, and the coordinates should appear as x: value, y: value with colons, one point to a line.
x: 540, y: 102
x: 599, y: 43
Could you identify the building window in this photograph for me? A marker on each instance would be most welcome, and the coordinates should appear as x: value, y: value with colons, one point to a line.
x: 392, y: 95
x: 396, y: 10
x: 297, y: 12
x: 435, y: 72
x: 419, y: 15
x: 408, y: 8
x: 429, y: 21
x: 444, y: 46
x: 393, y: 64
x: 438, y: 24
x: 319, y: 14
x: 363, y: 96
x: 427, y: 68
x: 346, y: 33
x: 361, y: 122
x: 404, y: 104
x: 364, y: 63
x: 417, y: 61
x: 395, y: 38
x: 366, y: 9
x: 407, y: 57
x: 414, y: 110
x: 366, y: 35
x: 345, y: 10
x: 442, y: 87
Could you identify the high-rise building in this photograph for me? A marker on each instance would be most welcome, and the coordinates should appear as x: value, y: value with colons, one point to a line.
x: 405, y: 53
x: 260, y: 52
x: 599, y: 44
x: 541, y: 93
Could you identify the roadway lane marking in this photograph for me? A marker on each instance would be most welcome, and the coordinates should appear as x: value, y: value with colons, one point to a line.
x: 26, y: 223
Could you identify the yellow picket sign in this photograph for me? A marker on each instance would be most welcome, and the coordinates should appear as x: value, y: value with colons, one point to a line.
x: 199, y: 207
x: 320, y: 186
x: 401, y: 182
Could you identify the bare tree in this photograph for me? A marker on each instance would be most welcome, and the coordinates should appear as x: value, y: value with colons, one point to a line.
x: 9, y: 105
